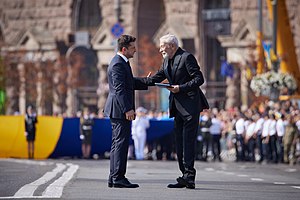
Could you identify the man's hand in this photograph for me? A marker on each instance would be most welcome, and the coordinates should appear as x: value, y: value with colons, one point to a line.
x: 204, y: 111
x: 174, y: 88
x: 130, y: 115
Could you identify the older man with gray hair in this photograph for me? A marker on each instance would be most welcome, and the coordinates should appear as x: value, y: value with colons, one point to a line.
x: 186, y: 101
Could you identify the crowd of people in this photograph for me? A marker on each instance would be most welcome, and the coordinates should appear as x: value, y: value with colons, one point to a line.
x: 268, y: 133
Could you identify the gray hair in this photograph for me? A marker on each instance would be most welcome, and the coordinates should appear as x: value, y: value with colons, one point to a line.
x: 169, y: 39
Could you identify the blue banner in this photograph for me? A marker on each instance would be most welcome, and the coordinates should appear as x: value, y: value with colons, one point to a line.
x: 69, y: 143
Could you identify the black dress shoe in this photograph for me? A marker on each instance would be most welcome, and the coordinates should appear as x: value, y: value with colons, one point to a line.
x: 187, y: 183
x: 110, y: 185
x: 176, y: 185
x: 124, y: 183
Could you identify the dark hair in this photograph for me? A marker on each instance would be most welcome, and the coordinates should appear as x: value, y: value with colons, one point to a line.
x: 124, y: 41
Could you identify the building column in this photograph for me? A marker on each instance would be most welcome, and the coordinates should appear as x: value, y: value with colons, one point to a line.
x: 70, y: 100
x: 39, y: 90
x: 102, y: 90
x: 22, y: 91
x: 232, y: 90
x: 55, y: 104
x: 244, y: 88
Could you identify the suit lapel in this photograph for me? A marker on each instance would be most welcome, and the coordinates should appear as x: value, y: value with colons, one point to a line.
x: 127, y: 65
x: 175, y: 65
x: 166, y: 69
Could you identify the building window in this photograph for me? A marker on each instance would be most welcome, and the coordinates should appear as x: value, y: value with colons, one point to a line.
x: 89, y: 15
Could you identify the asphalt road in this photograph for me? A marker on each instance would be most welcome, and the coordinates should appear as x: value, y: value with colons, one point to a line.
x: 87, y: 179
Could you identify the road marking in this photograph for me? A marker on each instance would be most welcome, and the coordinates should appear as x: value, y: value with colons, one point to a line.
x: 297, y: 187
x: 29, y: 197
x: 28, y: 162
x: 279, y: 183
x: 257, y: 179
x: 242, y: 175
x: 28, y: 189
x: 229, y: 173
x: 209, y: 169
x: 56, y: 188
x: 291, y: 170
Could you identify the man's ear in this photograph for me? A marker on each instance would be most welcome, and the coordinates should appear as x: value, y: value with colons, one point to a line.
x: 124, y: 49
x: 172, y: 46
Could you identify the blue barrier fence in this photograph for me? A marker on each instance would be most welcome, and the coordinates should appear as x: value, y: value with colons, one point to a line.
x: 69, y: 143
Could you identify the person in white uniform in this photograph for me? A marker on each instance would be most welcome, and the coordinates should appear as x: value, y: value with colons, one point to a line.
x: 139, y: 132
x: 240, y: 136
x: 273, y: 156
x: 250, y: 140
x: 265, y: 136
x: 258, y: 131
x: 280, y: 126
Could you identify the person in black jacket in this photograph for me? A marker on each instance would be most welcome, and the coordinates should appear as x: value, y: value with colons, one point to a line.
x: 120, y: 108
x: 30, y: 129
x: 204, y: 136
x: 86, y: 124
x: 186, y: 101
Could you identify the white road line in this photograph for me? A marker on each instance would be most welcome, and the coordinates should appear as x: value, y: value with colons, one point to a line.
x: 229, y: 173
x: 29, y: 197
x: 257, y: 179
x: 291, y: 170
x: 297, y: 187
x: 56, y: 188
x: 28, y: 162
x: 209, y: 169
x: 242, y: 175
x: 279, y: 183
x: 28, y: 189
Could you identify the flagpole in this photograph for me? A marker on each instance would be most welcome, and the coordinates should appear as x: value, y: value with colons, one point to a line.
x: 274, y: 39
x: 260, y: 62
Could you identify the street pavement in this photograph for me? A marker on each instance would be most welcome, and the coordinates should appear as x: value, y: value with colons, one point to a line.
x: 87, y: 179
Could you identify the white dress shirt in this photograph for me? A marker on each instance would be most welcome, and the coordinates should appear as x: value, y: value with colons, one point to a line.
x: 266, y: 128
x: 280, y: 127
x: 259, y: 125
x: 272, y: 127
x: 240, y: 126
x: 124, y: 57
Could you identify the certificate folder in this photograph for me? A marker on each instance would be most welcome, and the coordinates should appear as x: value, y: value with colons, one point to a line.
x: 163, y: 85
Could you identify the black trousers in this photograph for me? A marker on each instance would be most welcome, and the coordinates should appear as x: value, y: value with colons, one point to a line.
x: 260, y: 147
x: 216, y: 146
x: 185, y: 134
x: 280, y: 148
x: 272, y: 152
x: 121, y: 129
x: 240, y: 148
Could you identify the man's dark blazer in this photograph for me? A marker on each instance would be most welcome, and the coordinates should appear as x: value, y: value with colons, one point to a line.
x: 186, y: 73
x: 121, y: 89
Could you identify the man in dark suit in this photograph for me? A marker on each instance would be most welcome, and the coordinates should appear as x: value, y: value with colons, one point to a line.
x: 186, y: 101
x: 120, y: 109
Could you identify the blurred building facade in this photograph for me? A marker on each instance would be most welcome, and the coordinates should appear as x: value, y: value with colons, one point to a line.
x: 55, y: 53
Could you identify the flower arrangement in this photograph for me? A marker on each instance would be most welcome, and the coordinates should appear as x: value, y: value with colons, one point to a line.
x: 263, y: 84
